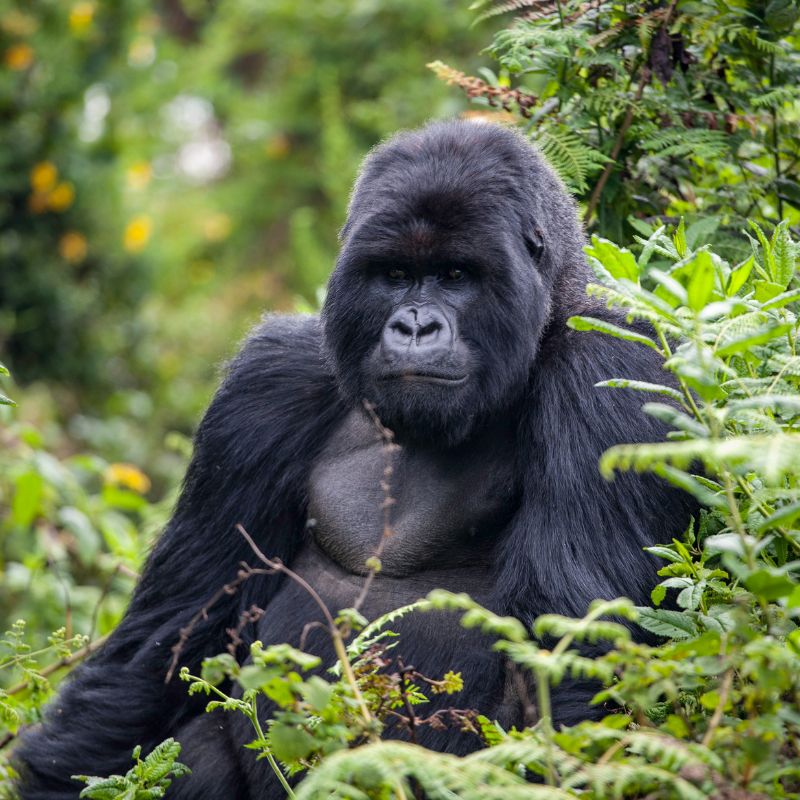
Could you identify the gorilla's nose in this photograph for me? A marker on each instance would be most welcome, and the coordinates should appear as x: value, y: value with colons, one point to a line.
x: 417, y: 329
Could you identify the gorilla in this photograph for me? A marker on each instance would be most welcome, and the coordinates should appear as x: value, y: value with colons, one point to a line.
x: 461, y: 260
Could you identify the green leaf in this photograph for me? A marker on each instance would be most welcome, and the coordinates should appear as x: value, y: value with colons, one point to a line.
x: 783, y: 254
x: 666, y: 623
x: 680, y: 239
x: 701, y: 283
x: 290, y: 743
x: 750, y: 337
x: 784, y: 516
x: 6, y: 401
x: 700, y: 232
x: 667, y: 553
x: 783, y: 299
x: 690, y: 597
x: 601, y: 326
x: 27, y: 498
x: 769, y: 584
x: 767, y: 290
x: 739, y: 276
x: 642, y: 386
x: 617, y: 260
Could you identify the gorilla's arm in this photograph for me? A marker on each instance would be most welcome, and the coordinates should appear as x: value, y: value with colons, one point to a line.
x: 578, y: 537
x: 252, y: 454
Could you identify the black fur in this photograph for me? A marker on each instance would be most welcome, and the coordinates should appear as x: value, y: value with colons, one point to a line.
x: 476, y: 196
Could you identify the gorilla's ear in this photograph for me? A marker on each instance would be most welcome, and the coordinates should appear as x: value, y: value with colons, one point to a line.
x: 534, y: 241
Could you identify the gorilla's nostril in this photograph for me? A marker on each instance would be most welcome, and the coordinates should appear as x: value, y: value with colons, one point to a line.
x: 398, y: 326
x: 429, y: 329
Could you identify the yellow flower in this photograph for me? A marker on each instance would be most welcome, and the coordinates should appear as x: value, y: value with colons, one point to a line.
x: 137, y: 234
x: 139, y: 174
x: 80, y: 17
x: 72, y: 247
x: 44, y: 176
x: 128, y: 476
x: 18, y: 57
x: 60, y: 199
x: 216, y: 227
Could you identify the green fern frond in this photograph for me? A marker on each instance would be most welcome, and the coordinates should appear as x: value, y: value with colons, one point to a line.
x: 573, y: 159
x: 693, y: 142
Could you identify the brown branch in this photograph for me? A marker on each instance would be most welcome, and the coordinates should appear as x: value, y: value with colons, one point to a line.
x: 716, y: 717
x: 594, y: 199
x: 647, y: 75
x: 245, y: 573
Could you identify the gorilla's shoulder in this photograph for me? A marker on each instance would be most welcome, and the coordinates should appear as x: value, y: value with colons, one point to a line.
x: 278, y: 382
x: 278, y: 342
x: 283, y: 353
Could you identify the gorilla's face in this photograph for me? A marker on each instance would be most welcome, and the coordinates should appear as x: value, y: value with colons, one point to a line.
x: 439, y: 296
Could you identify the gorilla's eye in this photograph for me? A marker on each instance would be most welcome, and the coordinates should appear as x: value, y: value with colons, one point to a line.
x: 454, y: 274
x: 397, y: 274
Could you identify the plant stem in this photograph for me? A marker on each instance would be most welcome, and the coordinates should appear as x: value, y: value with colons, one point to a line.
x: 253, y: 715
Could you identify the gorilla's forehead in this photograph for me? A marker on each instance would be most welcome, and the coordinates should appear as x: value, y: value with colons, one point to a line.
x: 416, y: 238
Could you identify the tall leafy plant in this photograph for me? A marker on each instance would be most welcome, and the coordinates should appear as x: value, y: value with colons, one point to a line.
x: 662, y: 109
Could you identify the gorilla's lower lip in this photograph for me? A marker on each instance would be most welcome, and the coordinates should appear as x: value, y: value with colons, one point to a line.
x: 425, y: 377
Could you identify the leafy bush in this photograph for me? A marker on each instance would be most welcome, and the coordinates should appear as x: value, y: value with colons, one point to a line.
x: 651, y: 109
x: 73, y: 534
x: 714, y: 711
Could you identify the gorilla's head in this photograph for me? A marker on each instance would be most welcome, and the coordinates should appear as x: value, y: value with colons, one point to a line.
x: 459, y: 245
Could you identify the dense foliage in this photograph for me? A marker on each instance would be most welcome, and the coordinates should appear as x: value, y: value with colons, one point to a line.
x: 680, y: 109
x: 714, y: 711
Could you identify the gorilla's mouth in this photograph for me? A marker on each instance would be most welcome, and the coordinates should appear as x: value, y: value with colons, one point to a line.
x: 427, y: 377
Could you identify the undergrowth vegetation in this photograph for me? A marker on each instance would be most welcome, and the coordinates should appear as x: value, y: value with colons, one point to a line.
x: 713, y: 711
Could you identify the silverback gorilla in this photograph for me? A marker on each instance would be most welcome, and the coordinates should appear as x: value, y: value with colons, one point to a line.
x: 461, y: 260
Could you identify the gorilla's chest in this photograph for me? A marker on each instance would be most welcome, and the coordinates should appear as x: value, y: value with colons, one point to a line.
x: 447, y: 507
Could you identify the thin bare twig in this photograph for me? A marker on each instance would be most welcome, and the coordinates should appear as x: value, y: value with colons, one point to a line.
x: 390, y: 447
x: 245, y: 573
x: 276, y: 565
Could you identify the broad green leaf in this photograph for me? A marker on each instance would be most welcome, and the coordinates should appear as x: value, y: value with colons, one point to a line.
x: 601, y: 326
x: 669, y: 286
x: 783, y: 517
x: 6, y: 401
x: 783, y: 299
x: 666, y: 623
x: 769, y: 584
x: 701, y: 283
x: 617, y: 260
x: 27, y: 498
x: 767, y: 290
x: 783, y: 255
x: 739, y: 276
x: 752, y: 337
x: 290, y: 743
x: 700, y: 232
x: 664, y: 552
